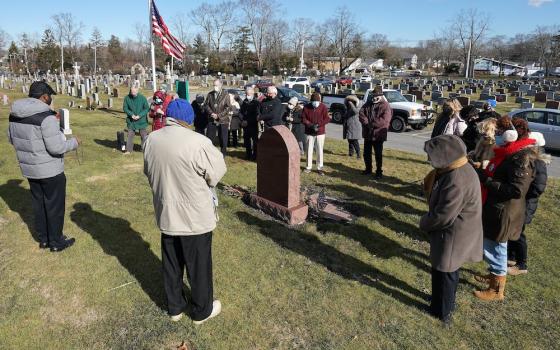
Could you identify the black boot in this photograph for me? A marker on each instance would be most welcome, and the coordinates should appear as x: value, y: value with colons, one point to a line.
x: 378, y: 175
x: 62, y: 244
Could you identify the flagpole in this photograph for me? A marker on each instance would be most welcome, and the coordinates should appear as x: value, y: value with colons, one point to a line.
x: 153, y: 50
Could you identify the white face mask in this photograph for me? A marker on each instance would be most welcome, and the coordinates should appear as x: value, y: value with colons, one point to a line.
x: 217, y: 88
x: 291, y: 106
x: 315, y: 104
x: 249, y: 98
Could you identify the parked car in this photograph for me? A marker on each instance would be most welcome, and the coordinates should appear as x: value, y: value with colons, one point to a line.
x: 261, y: 84
x: 416, y: 73
x: 545, y: 121
x: 323, y: 81
x: 404, y: 112
x: 285, y: 94
x: 366, y: 78
x: 396, y: 72
x: 345, y: 80
x: 291, y: 81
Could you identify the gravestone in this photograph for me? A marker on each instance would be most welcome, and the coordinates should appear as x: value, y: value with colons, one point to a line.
x: 83, y: 92
x: 540, y: 97
x: 464, y: 100
x: 501, y: 98
x: 64, y: 116
x: 110, y: 103
x: 89, y: 102
x: 278, y: 177
x: 5, y: 100
x: 552, y: 104
x: 116, y: 92
x: 525, y: 105
x: 96, y: 97
x: 417, y: 94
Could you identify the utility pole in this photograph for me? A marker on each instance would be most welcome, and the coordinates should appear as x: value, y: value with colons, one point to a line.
x: 468, y: 65
x: 301, y: 61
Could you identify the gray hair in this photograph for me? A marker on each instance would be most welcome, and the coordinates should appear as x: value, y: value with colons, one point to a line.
x: 272, y: 90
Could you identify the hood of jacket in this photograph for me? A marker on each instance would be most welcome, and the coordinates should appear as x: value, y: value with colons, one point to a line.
x: 444, y: 150
x: 28, y: 107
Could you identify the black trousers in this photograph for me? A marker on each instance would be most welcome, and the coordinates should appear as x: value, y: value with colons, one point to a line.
x: 517, y: 250
x: 251, y: 137
x: 194, y: 253
x: 48, y: 202
x: 377, y: 147
x: 200, y: 130
x: 444, y: 289
x: 223, y: 135
x: 234, y: 139
x: 354, y: 146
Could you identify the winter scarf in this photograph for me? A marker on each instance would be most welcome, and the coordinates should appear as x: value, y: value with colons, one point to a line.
x: 500, y: 154
x: 433, y: 175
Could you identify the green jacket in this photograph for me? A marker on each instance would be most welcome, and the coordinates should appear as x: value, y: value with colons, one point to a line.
x: 136, y: 106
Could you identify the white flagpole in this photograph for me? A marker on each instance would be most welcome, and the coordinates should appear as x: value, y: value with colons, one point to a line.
x: 153, y: 50
x: 171, y: 82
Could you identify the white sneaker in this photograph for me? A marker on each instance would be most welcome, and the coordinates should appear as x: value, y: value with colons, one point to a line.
x: 177, y: 318
x: 216, y: 309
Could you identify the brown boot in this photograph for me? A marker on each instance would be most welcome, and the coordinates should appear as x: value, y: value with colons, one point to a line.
x: 483, y: 279
x: 495, y: 290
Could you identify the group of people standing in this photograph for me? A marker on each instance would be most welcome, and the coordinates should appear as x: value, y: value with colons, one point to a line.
x: 489, y: 171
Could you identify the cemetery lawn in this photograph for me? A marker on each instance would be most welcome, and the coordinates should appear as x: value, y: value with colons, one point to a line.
x: 319, y: 286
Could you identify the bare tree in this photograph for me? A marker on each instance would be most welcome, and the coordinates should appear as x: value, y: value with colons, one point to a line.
x: 180, y: 23
x: 96, y: 41
x: 544, y: 45
x: 320, y: 40
x: 258, y: 17
x: 143, y: 39
x: 375, y: 43
x: 342, y: 32
x: 470, y: 26
x: 498, y: 47
x: 68, y: 32
x: 223, y: 18
x: 25, y: 44
x: 4, y: 38
x: 202, y: 17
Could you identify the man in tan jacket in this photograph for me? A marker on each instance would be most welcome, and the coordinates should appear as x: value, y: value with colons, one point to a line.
x: 183, y: 168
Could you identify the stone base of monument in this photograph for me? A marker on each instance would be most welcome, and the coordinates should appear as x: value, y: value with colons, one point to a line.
x: 292, y: 216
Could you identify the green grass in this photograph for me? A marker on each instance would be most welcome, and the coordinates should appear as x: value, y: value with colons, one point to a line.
x: 318, y: 286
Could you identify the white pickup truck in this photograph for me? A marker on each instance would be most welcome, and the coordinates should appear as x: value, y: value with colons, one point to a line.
x: 405, y: 113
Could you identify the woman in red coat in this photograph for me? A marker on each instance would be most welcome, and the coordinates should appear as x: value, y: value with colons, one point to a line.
x: 157, y: 110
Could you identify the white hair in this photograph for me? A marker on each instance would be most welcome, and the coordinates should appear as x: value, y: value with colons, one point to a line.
x: 272, y: 90
x: 218, y: 81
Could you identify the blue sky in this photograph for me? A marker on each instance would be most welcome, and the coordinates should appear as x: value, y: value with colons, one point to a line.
x: 404, y: 22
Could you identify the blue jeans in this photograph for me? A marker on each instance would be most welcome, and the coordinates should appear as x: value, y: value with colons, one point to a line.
x: 495, y: 254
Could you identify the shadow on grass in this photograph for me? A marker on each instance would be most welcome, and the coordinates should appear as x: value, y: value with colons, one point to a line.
x: 335, y: 261
x: 118, y: 239
x: 18, y: 199
x: 113, y: 144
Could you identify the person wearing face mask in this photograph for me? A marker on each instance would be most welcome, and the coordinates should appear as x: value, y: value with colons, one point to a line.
x: 375, y: 116
x: 40, y: 145
x: 200, y: 117
x: 218, y: 108
x: 505, y: 183
x: 157, y: 110
x: 453, y: 221
x: 271, y: 109
x: 315, y: 117
x: 249, y: 113
x: 292, y: 119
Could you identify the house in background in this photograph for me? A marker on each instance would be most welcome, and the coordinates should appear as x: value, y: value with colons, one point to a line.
x: 494, y: 67
x: 410, y: 61
x: 371, y: 65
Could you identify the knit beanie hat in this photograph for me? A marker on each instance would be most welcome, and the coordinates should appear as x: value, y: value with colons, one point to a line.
x: 315, y: 97
x: 180, y: 109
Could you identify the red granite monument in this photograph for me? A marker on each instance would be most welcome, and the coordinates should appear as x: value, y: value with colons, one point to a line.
x: 278, y: 177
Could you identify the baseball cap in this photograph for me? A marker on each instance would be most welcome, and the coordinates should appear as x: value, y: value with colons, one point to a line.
x: 40, y: 88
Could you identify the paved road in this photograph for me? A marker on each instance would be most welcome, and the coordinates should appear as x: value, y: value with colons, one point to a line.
x: 413, y: 141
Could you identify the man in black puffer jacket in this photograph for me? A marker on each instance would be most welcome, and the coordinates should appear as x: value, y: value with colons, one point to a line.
x: 517, y: 250
x: 34, y: 131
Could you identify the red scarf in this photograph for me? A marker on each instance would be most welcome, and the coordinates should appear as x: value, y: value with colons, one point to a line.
x: 500, y: 154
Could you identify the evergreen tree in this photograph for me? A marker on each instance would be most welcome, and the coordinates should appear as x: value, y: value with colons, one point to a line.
x: 115, y: 51
x: 241, y: 48
x: 47, y: 55
x: 199, y: 46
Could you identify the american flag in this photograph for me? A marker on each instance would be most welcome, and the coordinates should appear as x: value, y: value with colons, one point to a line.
x: 171, y: 45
